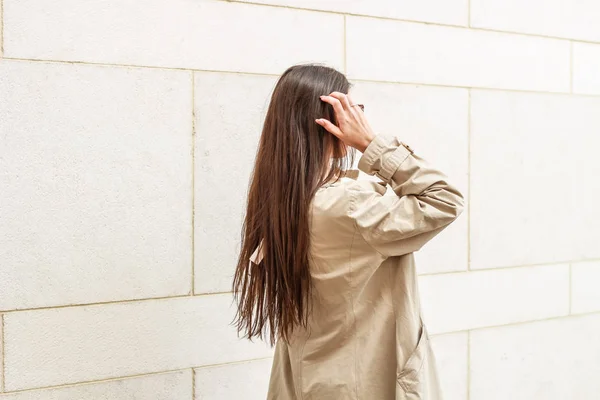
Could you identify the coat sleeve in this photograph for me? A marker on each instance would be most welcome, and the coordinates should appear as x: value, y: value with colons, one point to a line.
x: 423, y: 205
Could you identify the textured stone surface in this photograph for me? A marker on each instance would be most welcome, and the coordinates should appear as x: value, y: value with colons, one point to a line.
x: 229, y: 115
x: 451, y: 354
x: 586, y: 64
x: 561, y: 18
x: 98, y: 190
x: 460, y: 301
x: 452, y: 12
x: 410, y: 52
x: 247, y: 380
x: 167, y: 386
x: 585, y: 296
x: 85, y: 343
x: 549, y: 360
x: 534, y: 178
x: 96, y: 183
x: 213, y: 35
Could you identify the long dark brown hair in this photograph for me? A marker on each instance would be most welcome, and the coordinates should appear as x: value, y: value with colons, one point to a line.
x: 294, y: 158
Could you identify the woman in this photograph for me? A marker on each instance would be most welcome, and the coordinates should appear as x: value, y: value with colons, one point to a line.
x: 326, y: 269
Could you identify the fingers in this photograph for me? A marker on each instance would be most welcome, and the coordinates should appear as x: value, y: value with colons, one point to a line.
x: 331, y: 128
x: 341, y: 106
x: 335, y: 103
x: 343, y: 98
x: 351, y: 101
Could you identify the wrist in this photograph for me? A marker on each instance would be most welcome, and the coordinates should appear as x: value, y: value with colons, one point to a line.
x: 366, y: 142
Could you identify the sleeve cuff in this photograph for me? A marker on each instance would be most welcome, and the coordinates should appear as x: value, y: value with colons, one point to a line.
x: 383, y: 156
x: 372, y: 154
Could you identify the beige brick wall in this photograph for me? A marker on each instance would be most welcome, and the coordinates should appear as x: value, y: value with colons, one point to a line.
x: 127, y: 134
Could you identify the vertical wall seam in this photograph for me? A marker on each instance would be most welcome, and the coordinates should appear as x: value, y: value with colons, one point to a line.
x: 192, y: 291
x: 570, y: 288
x: 468, y: 179
x: 468, y: 365
x: 2, y: 354
x: 345, y: 48
x: 1, y: 28
x: 193, y: 384
x: 469, y: 13
x: 570, y: 66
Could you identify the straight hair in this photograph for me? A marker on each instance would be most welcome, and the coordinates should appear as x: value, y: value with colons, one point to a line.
x: 295, y: 157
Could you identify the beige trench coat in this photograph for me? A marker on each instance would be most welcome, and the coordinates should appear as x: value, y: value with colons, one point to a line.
x: 365, y: 338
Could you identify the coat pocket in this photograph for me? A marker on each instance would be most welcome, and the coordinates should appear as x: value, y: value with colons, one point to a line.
x: 411, y: 378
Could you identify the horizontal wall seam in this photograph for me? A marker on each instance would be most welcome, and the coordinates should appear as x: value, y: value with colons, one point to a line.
x: 277, y: 75
x: 524, y: 265
x: 183, y: 296
x: 466, y: 331
x: 127, y: 301
x: 134, y: 66
x: 531, y: 321
x: 468, y: 26
x: 119, y: 378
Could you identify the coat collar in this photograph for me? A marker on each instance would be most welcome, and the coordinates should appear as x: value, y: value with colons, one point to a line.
x: 349, y: 173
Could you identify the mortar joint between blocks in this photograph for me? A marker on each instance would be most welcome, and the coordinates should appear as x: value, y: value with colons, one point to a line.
x: 95, y: 381
x: 1, y: 28
x: 3, y: 355
x: 469, y: 13
x: 468, y: 364
x: 269, y: 74
x: 193, y: 150
x: 412, y: 21
x: 468, y: 179
x: 193, y: 383
x: 570, y: 289
x: 570, y: 66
